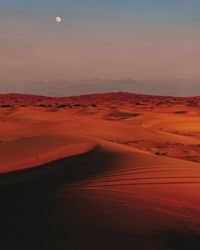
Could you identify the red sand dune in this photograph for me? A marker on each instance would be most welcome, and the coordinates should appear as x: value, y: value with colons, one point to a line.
x: 35, y: 151
x: 135, y: 166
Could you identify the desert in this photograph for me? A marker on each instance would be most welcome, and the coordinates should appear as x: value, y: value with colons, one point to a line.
x: 100, y: 171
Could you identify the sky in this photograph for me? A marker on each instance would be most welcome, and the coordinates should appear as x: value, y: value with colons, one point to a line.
x: 146, y: 46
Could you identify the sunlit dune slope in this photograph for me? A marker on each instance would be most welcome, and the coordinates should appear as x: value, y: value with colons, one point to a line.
x: 161, y: 131
x: 130, y: 195
x: 35, y: 151
x: 144, y: 192
x: 167, y: 126
x: 130, y: 178
x: 120, y: 197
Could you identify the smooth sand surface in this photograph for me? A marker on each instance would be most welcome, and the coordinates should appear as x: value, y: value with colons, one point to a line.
x: 35, y: 151
x: 134, y: 178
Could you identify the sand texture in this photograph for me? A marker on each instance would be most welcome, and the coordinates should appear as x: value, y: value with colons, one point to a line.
x: 108, y: 171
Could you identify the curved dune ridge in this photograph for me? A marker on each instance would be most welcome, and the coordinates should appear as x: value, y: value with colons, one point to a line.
x: 123, y: 191
x: 138, y: 201
x: 31, y: 152
x: 110, y: 179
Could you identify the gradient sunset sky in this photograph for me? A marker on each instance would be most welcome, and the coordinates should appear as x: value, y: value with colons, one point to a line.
x: 147, y: 46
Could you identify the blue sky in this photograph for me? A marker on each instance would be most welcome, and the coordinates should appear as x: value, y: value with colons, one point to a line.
x: 144, y: 40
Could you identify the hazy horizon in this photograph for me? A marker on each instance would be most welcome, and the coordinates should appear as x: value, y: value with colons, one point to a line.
x: 144, y: 46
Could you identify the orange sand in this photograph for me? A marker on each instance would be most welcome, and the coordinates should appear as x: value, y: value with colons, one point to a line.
x: 150, y: 178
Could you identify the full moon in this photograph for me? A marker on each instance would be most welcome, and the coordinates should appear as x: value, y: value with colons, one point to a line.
x: 58, y: 19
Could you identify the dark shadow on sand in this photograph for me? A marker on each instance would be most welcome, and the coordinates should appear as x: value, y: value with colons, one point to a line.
x: 33, y: 217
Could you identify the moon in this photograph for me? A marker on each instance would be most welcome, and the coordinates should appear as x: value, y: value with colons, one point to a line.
x: 58, y: 19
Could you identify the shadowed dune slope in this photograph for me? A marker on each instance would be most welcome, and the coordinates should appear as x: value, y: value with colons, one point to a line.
x: 120, y: 197
x: 113, y: 171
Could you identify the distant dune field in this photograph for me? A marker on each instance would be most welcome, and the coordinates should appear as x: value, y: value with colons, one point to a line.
x: 103, y: 171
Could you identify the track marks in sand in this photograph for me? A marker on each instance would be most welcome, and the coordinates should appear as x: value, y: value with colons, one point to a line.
x: 164, y: 190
